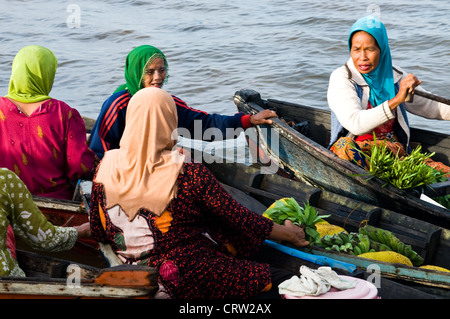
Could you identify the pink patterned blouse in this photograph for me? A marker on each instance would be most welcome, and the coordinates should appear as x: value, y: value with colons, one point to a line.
x: 48, y: 149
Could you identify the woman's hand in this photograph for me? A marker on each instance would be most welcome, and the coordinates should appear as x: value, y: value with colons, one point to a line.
x: 290, y: 233
x: 407, y: 86
x: 84, y: 230
x: 263, y: 117
x: 298, y: 234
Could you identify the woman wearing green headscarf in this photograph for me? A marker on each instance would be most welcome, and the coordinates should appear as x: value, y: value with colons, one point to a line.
x: 137, y: 67
x: 43, y: 139
x: 368, y: 95
x: 146, y: 66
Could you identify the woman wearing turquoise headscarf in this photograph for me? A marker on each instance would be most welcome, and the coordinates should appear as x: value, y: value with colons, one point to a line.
x: 368, y: 95
x: 43, y: 139
x: 146, y: 66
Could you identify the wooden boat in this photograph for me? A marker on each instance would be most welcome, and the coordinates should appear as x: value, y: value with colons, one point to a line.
x: 256, y: 190
x: 303, y: 153
x: 49, y: 277
x: 54, y: 278
x: 68, y: 213
x: 389, y: 289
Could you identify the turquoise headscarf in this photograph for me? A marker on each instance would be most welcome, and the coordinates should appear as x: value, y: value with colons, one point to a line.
x: 380, y: 80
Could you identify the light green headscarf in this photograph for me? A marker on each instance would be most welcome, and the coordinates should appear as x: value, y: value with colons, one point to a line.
x: 136, y: 64
x: 32, y: 75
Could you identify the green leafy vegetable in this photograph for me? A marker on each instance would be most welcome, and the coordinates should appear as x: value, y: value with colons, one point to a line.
x: 305, y: 217
x: 405, y: 173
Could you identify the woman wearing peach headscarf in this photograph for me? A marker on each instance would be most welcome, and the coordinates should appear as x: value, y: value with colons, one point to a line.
x: 154, y: 210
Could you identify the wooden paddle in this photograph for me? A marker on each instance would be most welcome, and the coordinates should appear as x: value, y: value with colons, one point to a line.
x: 430, y: 96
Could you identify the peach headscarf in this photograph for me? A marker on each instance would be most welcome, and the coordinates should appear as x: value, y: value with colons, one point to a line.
x: 142, y: 173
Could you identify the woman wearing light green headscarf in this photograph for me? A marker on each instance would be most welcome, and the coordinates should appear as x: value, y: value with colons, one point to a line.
x: 33, y: 72
x: 368, y: 94
x: 43, y: 139
x: 146, y: 66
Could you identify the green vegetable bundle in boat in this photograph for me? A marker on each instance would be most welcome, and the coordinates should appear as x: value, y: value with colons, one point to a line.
x: 306, y: 217
x: 406, y: 172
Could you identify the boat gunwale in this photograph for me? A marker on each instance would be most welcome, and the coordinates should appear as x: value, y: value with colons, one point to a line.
x: 45, y: 282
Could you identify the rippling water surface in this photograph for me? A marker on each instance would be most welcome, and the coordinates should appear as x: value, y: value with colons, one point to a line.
x: 283, y: 49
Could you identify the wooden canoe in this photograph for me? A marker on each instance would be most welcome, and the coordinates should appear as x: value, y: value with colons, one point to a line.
x: 54, y: 278
x: 96, y: 258
x: 388, y: 289
x: 304, y: 154
x: 257, y: 191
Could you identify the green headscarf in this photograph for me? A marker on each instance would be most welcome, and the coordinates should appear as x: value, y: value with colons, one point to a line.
x: 136, y: 64
x: 32, y: 75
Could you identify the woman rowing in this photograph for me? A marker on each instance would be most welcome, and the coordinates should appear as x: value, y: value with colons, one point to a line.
x: 369, y: 95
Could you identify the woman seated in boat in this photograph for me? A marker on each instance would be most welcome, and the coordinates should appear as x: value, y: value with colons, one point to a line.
x: 156, y: 210
x: 43, y: 139
x: 368, y: 95
x: 18, y: 209
x: 147, y: 66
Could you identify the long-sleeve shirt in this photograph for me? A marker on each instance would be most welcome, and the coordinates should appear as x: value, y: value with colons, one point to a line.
x: 48, y: 149
x: 192, y: 123
x: 190, y: 264
x: 352, y: 110
x: 18, y: 209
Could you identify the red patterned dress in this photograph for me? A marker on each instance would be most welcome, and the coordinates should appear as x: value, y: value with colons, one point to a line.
x: 191, y: 242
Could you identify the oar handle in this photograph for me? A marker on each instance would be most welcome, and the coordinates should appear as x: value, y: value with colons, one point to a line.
x: 409, y: 98
x: 431, y: 97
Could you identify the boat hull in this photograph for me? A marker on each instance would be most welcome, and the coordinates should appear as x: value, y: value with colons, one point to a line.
x: 55, y: 278
x: 312, y: 162
x: 256, y: 190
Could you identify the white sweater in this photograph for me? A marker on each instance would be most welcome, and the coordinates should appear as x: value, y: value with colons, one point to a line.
x: 352, y: 111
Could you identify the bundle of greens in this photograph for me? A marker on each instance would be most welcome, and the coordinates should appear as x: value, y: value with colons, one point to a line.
x: 405, y: 173
x: 305, y: 217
